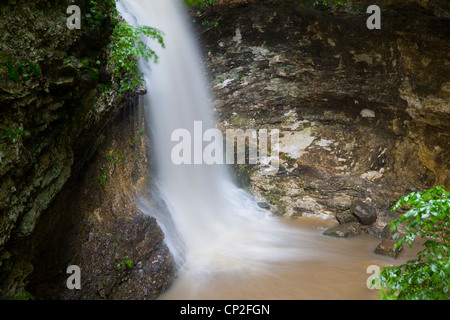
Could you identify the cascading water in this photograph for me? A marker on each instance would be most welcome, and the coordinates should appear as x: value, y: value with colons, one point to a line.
x: 225, y: 245
x: 213, y: 225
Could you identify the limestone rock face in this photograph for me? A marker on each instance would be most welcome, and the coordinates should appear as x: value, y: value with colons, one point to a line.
x: 363, y: 114
x: 56, y: 100
x: 119, y: 248
x: 48, y: 121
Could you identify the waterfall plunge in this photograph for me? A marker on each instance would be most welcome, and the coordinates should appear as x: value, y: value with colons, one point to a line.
x: 213, y: 226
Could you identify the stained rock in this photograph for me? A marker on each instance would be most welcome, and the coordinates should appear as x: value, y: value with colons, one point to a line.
x: 372, y: 229
x: 263, y: 205
x: 387, y: 233
x: 346, y: 230
x: 363, y: 212
x: 387, y: 248
x: 345, y: 217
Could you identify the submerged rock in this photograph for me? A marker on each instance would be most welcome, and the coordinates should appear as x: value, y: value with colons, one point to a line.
x: 263, y: 205
x: 346, y: 230
x: 387, y: 248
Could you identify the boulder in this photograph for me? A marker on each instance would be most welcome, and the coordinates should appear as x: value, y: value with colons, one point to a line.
x: 372, y: 229
x: 365, y: 214
x: 387, y: 248
x: 345, y: 217
x: 387, y: 233
x: 346, y: 230
x: 263, y: 205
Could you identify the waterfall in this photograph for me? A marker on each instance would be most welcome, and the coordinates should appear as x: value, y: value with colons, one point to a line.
x: 211, y: 225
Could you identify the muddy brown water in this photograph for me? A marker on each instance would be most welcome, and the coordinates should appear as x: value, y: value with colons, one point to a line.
x: 332, y: 269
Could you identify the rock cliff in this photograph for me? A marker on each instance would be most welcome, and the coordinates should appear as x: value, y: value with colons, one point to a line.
x: 56, y: 103
x: 363, y: 114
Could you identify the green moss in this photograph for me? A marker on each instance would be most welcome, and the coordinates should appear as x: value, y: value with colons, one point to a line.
x: 199, y: 3
x: 13, y: 135
x: 241, y: 174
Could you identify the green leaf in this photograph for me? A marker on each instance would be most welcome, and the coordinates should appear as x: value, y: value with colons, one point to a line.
x: 426, y: 277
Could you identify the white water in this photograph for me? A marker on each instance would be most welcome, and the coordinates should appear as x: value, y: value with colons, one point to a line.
x: 213, y: 225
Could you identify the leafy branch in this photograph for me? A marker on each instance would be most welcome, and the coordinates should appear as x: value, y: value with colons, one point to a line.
x: 428, y: 276
x: 127, y: 46
x: 126, y: 43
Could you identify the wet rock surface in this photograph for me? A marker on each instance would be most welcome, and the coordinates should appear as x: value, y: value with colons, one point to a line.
x: 363, y: 212
x: 52, y: 113
x: 363, y: 114
x: 387, y: 248
x: 345, y: 217
x: 53, y: 116
x: 119, y: 249
x: 346, y: 230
